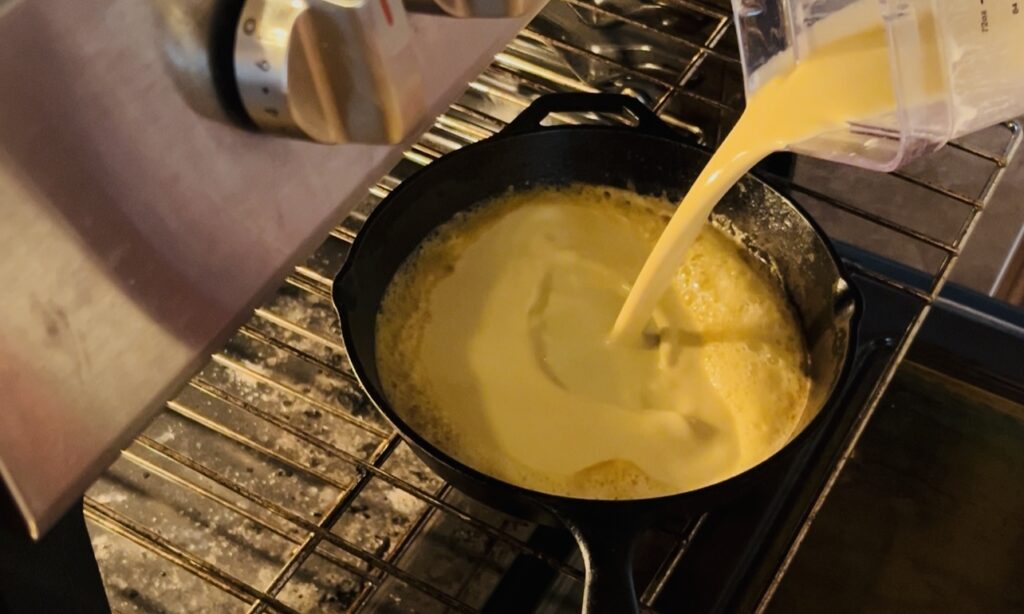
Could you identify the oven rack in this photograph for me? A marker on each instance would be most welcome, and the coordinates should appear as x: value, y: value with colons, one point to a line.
x: 269, y: 483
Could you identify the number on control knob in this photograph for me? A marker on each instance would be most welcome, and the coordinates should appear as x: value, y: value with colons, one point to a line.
x: 332, y: 71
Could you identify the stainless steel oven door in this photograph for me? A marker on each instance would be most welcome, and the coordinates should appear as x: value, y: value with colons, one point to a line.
x: 138, y: 225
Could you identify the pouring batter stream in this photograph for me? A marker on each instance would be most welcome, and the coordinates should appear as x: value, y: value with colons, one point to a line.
x: 841, y: 82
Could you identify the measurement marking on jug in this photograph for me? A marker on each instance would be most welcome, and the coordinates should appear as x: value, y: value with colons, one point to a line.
x: 263, y: 65
x: 249, y: 26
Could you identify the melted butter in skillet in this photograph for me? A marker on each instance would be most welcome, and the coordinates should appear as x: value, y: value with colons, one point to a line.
x: 492, y: 343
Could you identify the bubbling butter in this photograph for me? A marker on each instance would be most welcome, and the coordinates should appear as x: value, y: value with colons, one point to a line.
x: 492, y: 343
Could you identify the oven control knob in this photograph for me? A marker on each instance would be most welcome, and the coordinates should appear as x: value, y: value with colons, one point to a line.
x: 332, y: 71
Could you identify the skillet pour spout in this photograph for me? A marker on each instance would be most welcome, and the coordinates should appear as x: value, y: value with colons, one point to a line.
x: 651, y: 159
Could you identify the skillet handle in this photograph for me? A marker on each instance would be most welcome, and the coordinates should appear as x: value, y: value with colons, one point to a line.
x: 606, y: 541
x: 529, y: 120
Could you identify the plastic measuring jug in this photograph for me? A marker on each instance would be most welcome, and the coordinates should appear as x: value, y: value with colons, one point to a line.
x: 956, y: 66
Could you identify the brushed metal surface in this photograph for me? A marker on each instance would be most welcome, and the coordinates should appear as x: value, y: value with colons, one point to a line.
x: 196, y: 48
x: 137, y: 231
x: 6, y: 4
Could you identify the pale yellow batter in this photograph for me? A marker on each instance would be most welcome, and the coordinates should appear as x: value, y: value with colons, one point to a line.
x: 844, y: 80
x: 492, y: 342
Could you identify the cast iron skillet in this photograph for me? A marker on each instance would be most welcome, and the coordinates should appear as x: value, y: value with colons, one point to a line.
x: 649, y: 158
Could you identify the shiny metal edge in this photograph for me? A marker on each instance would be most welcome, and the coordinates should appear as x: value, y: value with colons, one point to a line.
x: 150, y: 231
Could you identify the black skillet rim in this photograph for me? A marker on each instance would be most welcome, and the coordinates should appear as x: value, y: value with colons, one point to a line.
x: 554, y: 501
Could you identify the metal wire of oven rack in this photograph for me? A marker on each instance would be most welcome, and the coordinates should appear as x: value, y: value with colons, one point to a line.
x: 277, y: 486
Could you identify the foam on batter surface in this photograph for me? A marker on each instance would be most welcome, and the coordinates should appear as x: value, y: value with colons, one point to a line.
x: 492, y: 343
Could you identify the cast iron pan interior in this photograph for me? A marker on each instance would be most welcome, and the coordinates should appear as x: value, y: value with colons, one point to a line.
x: 648, y: 158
